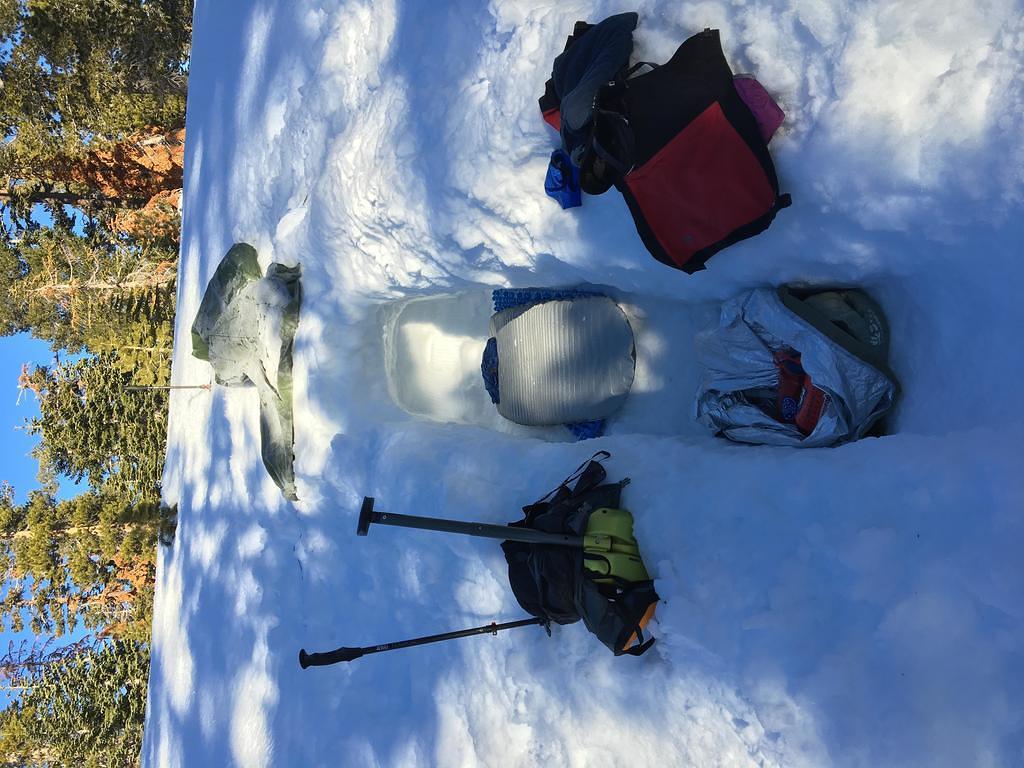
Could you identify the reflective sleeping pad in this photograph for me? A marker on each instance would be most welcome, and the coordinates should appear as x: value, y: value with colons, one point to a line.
x: 561, y: 362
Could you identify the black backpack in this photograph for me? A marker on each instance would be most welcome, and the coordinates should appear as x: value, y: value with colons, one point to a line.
x: 554, y: 583
x: 683, y: 149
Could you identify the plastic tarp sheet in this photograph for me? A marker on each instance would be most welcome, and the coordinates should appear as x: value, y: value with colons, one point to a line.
x: 739, y: 361
x: 245, y: 328
x: 563, y: 361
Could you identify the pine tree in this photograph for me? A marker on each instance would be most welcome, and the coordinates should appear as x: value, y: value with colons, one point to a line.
x: 92, y: 96
x: 91, y: 103
x: 24, y: 664
x: 90, y: 560
x: 92, y: 427
x: 95, y: 68
x: 70, y: 289
x: 85, y: 88
x: 98, y: 178
x: 86, y: 711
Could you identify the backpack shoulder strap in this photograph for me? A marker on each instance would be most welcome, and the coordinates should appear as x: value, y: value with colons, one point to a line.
x: 578, y: 473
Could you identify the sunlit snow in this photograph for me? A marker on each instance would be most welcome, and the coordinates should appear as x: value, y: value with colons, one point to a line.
x: 858, y: 606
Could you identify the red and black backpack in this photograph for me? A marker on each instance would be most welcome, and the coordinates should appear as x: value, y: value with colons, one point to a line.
x: 685, y: 151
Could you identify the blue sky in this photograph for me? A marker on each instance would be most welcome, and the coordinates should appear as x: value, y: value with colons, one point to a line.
x: 19, y: 468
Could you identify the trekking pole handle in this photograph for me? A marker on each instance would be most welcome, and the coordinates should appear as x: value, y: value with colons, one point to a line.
x: 307, y: 660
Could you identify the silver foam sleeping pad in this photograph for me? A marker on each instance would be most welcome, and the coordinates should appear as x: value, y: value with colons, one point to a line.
x: 563, y: 362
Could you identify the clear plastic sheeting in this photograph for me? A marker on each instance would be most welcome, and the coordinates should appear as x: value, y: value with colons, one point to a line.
x: 245, y: 328
x: 741, y: 376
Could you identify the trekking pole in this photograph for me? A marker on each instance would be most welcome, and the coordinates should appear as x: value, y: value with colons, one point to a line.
x: 307, y: 660
x: 367, y: 516
x: 141, y: 388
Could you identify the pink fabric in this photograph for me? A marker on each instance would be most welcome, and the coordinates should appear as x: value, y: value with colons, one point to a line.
x: 767, y: 113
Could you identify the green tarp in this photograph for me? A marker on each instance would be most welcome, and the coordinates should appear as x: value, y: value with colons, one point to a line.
x: 245, y: 328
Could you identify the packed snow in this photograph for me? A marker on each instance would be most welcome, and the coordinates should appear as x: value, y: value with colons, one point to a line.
x: 856, y: 606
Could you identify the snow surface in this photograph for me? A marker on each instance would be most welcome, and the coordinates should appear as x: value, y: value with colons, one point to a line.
x: 858, y: 606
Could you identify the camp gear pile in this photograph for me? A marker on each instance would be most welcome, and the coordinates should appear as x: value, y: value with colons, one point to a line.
x: 686, y: 144
x: 804, y: 369
x: 678, y: 140
x: 245, y: 328
x: 605, y: 584
x: 573, y: 556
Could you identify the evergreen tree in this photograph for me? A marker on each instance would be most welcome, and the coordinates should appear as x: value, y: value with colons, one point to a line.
x: 98, y: 178
x: 84, y: 86
x: 92, y: 96
x: 71, y: 290
x: 23, y: 664
x: 86, y: 711
x: 88, y: 560
x: 94, y: 68
x: 91, y: 426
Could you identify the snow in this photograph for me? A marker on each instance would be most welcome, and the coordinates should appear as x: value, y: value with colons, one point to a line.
x: 857, y: 606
